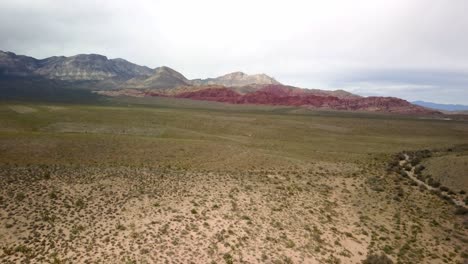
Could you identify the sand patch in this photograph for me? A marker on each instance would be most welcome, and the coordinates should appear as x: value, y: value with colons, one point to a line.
x: 54, y: 107
x: 21, y: 109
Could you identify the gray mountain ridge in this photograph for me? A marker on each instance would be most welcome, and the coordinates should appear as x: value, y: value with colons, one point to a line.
x: 99, y: 72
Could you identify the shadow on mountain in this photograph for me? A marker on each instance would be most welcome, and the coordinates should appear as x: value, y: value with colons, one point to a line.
x: 40, y: 89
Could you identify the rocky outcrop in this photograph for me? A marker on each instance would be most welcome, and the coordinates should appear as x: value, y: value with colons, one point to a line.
x: 89, y: 67
x: 16, y: 65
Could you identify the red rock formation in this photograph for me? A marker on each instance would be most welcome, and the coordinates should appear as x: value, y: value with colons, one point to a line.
x: 212, y: 94
x: 291, y: 96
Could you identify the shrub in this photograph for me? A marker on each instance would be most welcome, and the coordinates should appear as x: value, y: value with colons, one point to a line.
x: 415, y: 161
x: 461, y: 210
x: 80, y: 204
x: 377, y: 259
x: 53, y: 195
x: 433, y: 183
x: 444, y: 189
x: 403, y: 174
x: 120, y: 227
x: 419, y: 168
x: 400, y: 191
x: 20, y: 196
x: 228, y: 258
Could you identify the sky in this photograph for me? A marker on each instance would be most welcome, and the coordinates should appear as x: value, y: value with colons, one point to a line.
x: 412, y: 49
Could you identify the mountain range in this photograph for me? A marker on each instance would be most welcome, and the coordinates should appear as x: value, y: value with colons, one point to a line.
x: 442, y: 107
x: 26, y: 75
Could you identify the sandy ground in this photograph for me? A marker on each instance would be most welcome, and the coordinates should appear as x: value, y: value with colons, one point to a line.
x: 144, y: 215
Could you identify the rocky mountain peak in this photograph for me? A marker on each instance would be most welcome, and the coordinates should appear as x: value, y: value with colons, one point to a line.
x: 89, y: 57
x: 237, y: 79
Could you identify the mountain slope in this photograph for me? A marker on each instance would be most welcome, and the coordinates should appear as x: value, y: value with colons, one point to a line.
x: 161, y: 77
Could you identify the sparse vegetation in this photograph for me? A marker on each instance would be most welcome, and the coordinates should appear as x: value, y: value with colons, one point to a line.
x: 102, y: 183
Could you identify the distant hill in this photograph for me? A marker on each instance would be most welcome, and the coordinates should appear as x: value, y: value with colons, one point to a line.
x: 278, y: 94
x: 442, y: 107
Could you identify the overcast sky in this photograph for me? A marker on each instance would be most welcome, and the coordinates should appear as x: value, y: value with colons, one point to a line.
x: 413, y: 49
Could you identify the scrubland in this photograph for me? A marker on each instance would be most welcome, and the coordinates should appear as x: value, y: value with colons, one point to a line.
x: 182, y: 182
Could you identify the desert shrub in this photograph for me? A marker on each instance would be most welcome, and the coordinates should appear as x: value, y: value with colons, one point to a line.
x: 461, y: 210
x: 403, y: 174
x: 376, y: 184
x: 377, y: 259
x: 423, y: 153
x: 447, y: 198
x: 401, y: 156
x: 20, y: 196
x: 53, y: 195
x: 415, y: 161
x: 80, y: 204
x: 419, y: 168
x: 433, y: 183
x: 228, y: 258
x: 462, y: 192
x: 444, y: 189
x: 22, y: 249
x: 120, y: 227
x: 400, y: 191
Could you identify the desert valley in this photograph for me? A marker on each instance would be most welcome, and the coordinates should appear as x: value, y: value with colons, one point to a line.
x: 106, y: 161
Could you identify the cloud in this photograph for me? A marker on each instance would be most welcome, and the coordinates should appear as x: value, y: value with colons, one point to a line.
x: 376, y: 44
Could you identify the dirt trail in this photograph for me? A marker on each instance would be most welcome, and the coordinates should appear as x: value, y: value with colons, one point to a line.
x: 412, y: 175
